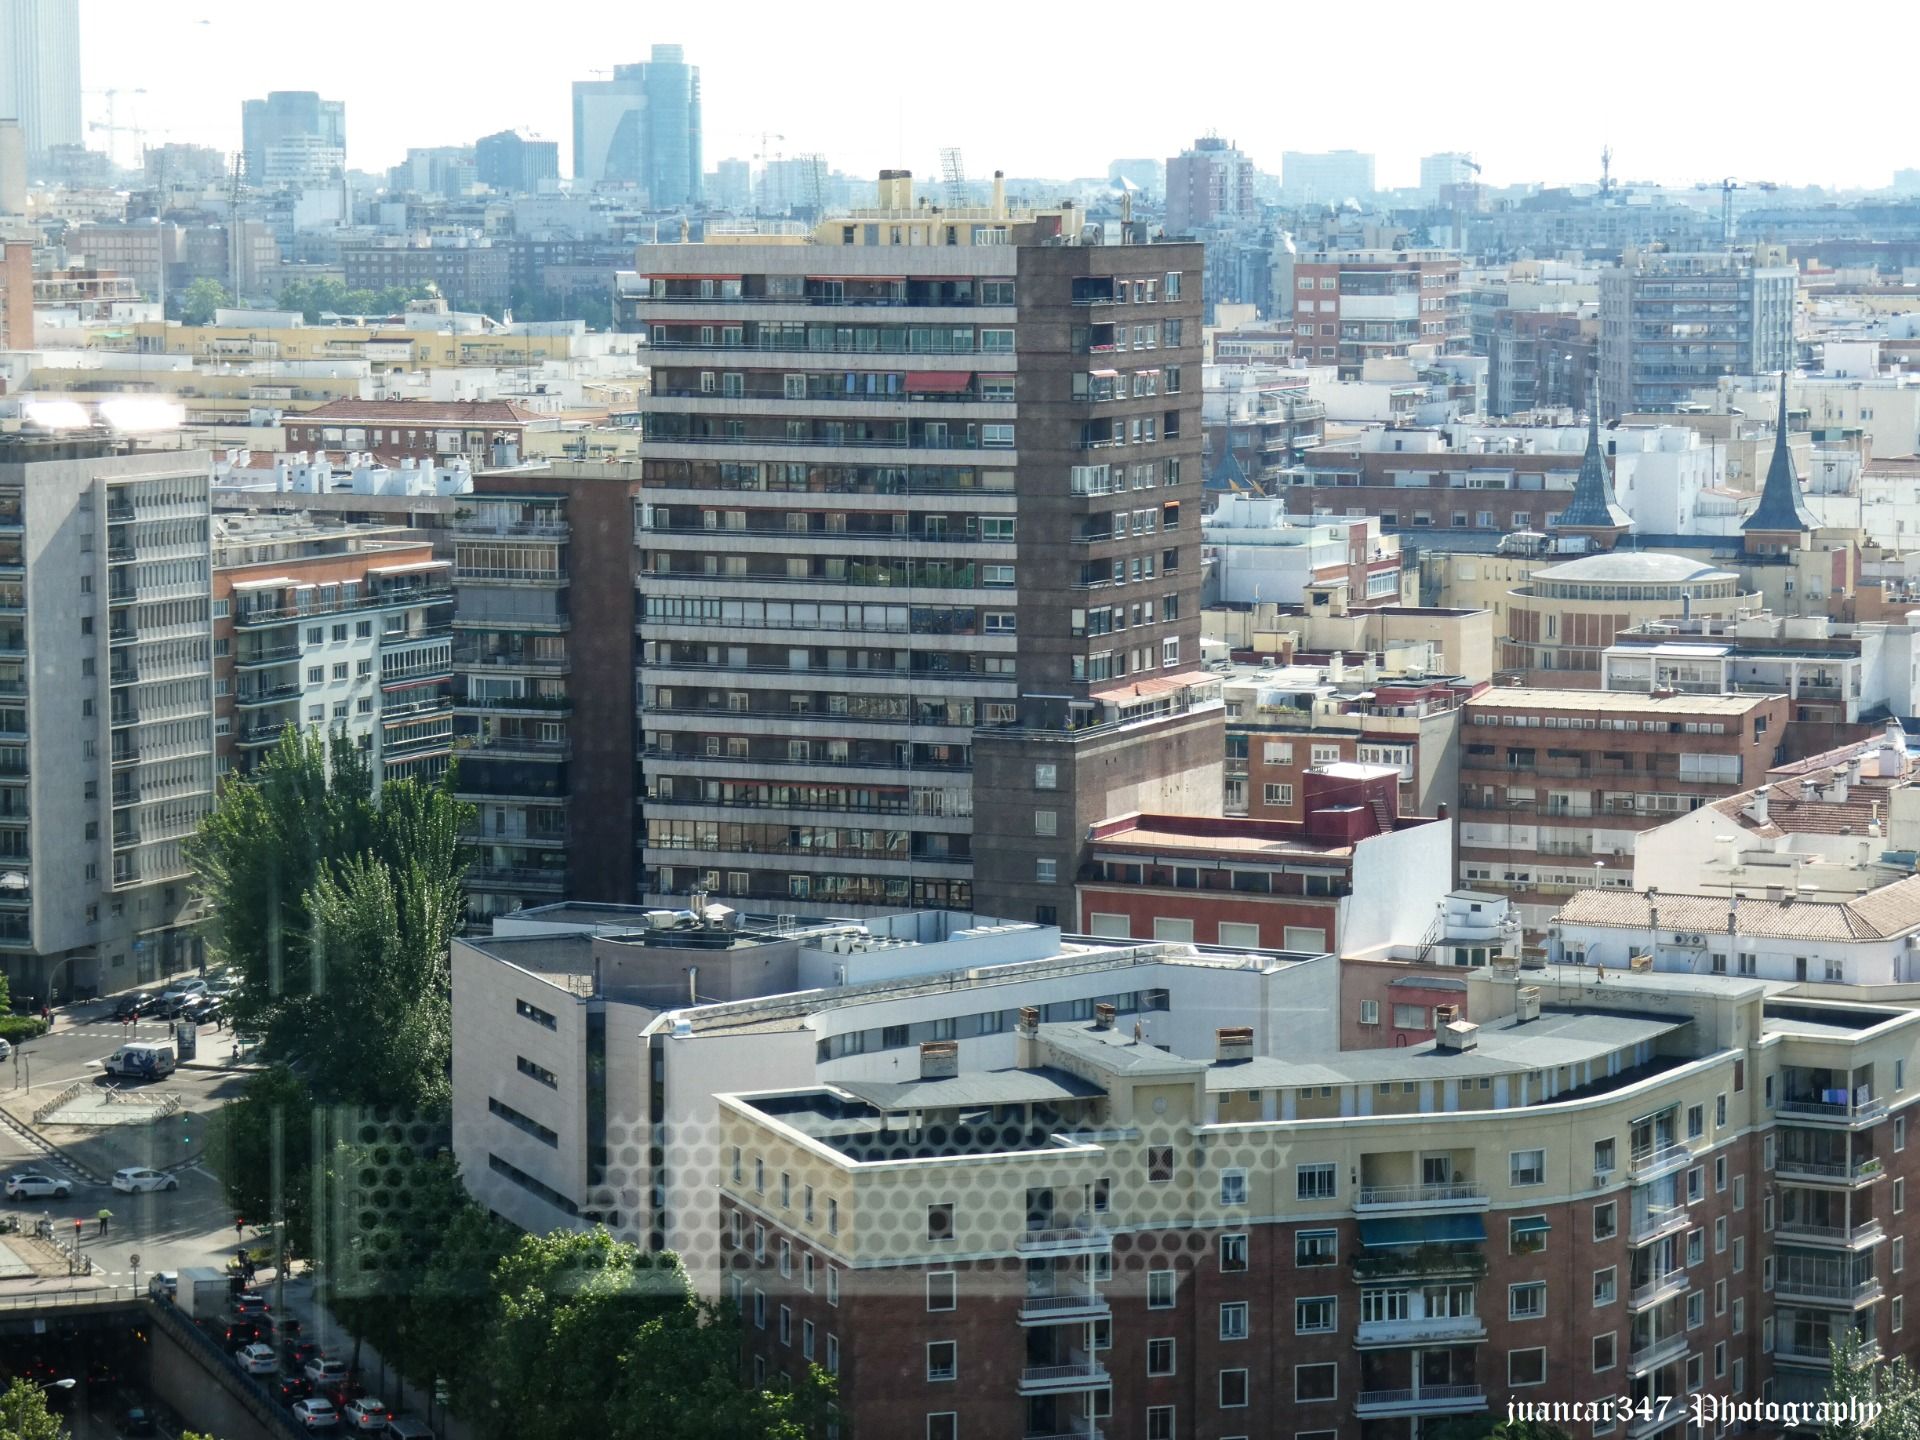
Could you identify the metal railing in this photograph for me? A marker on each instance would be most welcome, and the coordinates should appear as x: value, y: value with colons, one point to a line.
x: 1425, y: 1394
x: 1657, y: 1353
x: 1827, y: 1169
x: 1868, y: 1109
x: 1659, y: 1157
x: 1662, y: 1287
x: 1419, y: 1194
x: 1830, y: 1234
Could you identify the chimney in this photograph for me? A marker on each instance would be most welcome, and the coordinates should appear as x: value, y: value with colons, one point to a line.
x: 1837, y: 784
x: 1029, y: 1019
x: 1526, y: 1003
x: 939, y: 1059
x: 1103, y: 1016
x: 1757, y: 805
x: 896, y: 190
x: 999, y: 195
x: 1233, y: 1042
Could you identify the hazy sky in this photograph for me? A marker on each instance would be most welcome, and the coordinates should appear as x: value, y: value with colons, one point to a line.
x: 1682, y: 90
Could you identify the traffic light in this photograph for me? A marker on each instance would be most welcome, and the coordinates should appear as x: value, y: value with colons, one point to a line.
x: 186, y: 1127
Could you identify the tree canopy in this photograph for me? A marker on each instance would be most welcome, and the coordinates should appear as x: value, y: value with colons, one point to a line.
x: 325, y: 295
x: 24, y: 1414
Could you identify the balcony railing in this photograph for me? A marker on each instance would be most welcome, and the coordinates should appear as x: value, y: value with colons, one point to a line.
x: 1668, y: 1286
x: 1654, y: 1354
x: 1429, y: 1330
x: 1076, y: 1375
x: 1864, y: 1232
x: 1060, y: 1309
x: 1437, y: 1399
x: 1064, y: 1234
x: 1859, y: 1112
x: 1825, y: 1292
x: 1815, y: 1354
x: 1835, y: 1172
x: 1656, y: 1223
x: 1659, y: 1160
x: 1456, y: 1195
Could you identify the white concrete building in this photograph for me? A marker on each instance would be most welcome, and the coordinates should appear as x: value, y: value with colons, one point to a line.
x: 589, y: 1042
x: 1884, y: 405
x: 1260, y: 553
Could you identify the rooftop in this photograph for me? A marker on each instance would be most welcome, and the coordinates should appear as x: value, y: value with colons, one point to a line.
x: 425, y: 412
x: 1616, y: 701
x: 1633, y: 567
x: 1887, y: 913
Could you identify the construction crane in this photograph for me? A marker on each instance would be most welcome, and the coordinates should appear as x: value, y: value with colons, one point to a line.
x: 1726, y: 187
x: 953, y: 172
x: 111, y: 126
x: 815, y: 172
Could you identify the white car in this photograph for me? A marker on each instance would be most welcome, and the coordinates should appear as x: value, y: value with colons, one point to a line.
x: 182, y: 989
x: 6, y: 1048
x: 323, y: 1371
x: 316, y: 1414
x: 136, y: 1181
x: 31, y: 1186
x: 256, y: 1359
x: 368, y: 1415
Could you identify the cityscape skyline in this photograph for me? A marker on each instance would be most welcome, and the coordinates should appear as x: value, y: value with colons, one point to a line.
x: 759, y: 104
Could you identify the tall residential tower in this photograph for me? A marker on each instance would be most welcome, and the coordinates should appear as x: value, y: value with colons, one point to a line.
x: 642, y: 127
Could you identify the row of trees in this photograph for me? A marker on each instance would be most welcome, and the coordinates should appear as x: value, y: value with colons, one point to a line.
x: 336, y: 911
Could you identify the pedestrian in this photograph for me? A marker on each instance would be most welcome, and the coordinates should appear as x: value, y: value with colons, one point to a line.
x: 105, y: 1216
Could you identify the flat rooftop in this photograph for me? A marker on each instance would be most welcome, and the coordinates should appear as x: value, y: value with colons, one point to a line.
x: 873, y: 1124
x: 1526, y: 698
x: 1883, y: 914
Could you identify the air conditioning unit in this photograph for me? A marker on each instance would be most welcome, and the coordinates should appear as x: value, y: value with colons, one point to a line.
x: 1601, y: 1178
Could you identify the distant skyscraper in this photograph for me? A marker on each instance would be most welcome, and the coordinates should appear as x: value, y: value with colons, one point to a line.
x: 40, y: 70
x: 642, y: 127
x: 1450, y: 167
x: 516, y: 160
x: 1329, y: 178
x: 292, y: 120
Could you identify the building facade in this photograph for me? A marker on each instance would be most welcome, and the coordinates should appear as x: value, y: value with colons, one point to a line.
x: 40, y: 71
x: 1330, y: 178
x: 292, y: 120
x: 1207, y: 184
x: 515, y: 161
x: 861, y: 455
x: 1674, y: 323
x: 642, y: 127
x: 108, y: 766
x: 1361, y: 305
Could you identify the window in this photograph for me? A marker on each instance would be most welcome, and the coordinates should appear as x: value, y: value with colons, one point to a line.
x: 940, y: 1221
x: 943, y: 1360
x: 1526, y: 1235
x: 1527, y: 1301
x: 1527, y: 1367
x: 1696, y: 1309
x: 1159, y: 1164
x: 1046, y: 777
x: 1314, y: 1315
x: 1369, y: 1012
x: 1606, y: 1220
x: 1160, y: 1356
x: 833, y: 1285
x: 1278, y: 794
x: 1527, y: 1167
x: 1233, y: 1254
x: 1696, y: 1246
x: 1233, y: 1320
x: 1313, y: 1383
x: 1310, y: 1248
x: 1160, y: 1422
x: 1720, y: 1235
x: 1046, y: 870
x: 1233, y: 1187
x: 1606, y: 1285
x: 1046, y: 822
x: 941, y: 1292
x: 1160, y: 1289
x: 1233, y: 1389
x: 1314, y: 1182
x: 1696, y: 1121
x: 1606, y: 1352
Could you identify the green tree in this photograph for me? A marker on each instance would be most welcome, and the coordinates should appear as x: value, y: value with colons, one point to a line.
x: 1870, y: 1400
x: 195, y: 305
x: 24, y: 1414
x: 447, y: 1324
x: 244, y: 1147
x: 682, y: 1382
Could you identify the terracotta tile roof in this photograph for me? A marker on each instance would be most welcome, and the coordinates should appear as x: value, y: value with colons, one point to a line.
x: 1891, y: 911
x: 422, y: 412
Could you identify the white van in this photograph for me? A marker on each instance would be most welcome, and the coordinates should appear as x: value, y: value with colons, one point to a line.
x: 142, y: 1060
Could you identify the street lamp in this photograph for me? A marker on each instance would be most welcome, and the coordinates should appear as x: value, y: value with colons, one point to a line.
x: 66, y: 1384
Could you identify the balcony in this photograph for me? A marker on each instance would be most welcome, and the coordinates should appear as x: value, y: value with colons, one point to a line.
x: 1654, y: 1354
x: 1643, y: 1165
x: 1811, y: 1290
x: 517, y: 877
x: 270, y: 655
x: 1670, y: 1286
x: 268, y: 694
x: 1063, y: 1309
x: 1658, y: 1416
x: 1065, y: 1235
x: 510, y: 747
x: 1079, y: 1374
x: 1853, y: 1116
x: 1798, y: 1353
x: 1385, y: 1199
x: 1829, y: 1172
x: 1848, y: 1237
x: 1429, y: 1330
x: 1085, y: 1432
x: 1657, y: 1224
x: 1422, y: 1400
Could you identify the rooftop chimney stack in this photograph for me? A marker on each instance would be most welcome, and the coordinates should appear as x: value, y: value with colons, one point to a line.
x: 1103, y: 1016
x: 1234, y: 1042
x: 1757, y: 805
x: 999, y: 195
x: 939, y: 1059
x: 1029, y: 1019
x: 896, y: 190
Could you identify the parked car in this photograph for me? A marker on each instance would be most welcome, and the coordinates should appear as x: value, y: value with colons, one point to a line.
x: 368, y: 1415
x: 137, y: 1422
x: 6, y: 1048
x: 316, y: 1414
x: 257, y: 1359
x: 31, y: 1185
x: 202, y: 1009
x: 137, y: 1180
x: 134, y: 1004
x: 323, y: 1371
x: 405, y: 1427
x: 181, y: 989
x: 294, y: 1387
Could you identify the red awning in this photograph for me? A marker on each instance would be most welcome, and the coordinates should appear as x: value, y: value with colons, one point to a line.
x: 863, y: 279
x: 676, y: 275
x: 939, y: 382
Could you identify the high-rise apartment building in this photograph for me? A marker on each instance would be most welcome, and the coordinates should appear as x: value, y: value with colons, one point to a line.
x: 106, y: 709
x: 1320, y: 179
x: 289, y: 121
x: 925, y: 484
x: 1352, y: 306
x: 40, y: 71
x: 642, y: 127
x: 1208, y: 183
x: 1674, y: 323
x: 346, y: 629
x: 543, y: 571
x: 1440, y: 172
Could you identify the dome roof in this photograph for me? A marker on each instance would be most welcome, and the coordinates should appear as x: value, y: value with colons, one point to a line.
x: 1637, y: 567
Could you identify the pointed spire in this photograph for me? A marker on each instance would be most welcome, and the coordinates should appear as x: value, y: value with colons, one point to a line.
x: 1593, y: 506
x: 1782, y: 508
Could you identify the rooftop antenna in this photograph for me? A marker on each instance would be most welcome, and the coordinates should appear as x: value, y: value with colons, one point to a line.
x: 953, y: 171
x: 1606, y: 171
